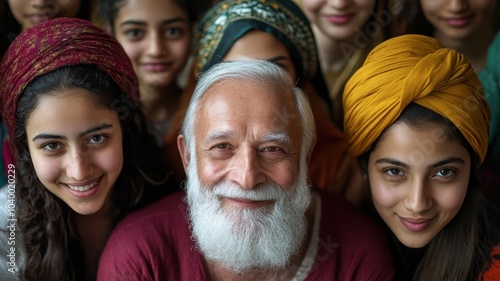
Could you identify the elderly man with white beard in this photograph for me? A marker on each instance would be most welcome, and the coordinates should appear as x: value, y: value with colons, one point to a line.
x: 248, y: 212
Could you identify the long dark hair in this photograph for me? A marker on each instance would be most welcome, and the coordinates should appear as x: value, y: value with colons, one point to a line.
x: 417, y: 22
x: 47, y: 230
x: 460, y: 250
x: 9, y: 27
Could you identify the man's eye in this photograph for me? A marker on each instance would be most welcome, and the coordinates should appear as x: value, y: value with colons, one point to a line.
x: 273, y: 149
x: 222, y: 146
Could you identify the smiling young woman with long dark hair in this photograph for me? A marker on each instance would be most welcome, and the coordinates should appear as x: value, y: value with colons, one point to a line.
x: 83, y: 157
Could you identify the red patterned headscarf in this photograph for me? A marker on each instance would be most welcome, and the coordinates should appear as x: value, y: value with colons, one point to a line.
x: 54, y: 44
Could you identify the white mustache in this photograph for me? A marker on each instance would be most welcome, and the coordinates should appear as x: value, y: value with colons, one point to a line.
x: 266, y: 192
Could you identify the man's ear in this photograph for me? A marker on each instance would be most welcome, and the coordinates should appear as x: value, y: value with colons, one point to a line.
x: 183, y: 151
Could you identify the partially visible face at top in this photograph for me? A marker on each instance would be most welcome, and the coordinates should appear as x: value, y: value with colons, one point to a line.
x: 418, y: 180
x: 31, y: 12
x: 156, y: 35
x: 76, y: 148
x: 261, y: 45
x: 458, y: 19
x: 339, y: 20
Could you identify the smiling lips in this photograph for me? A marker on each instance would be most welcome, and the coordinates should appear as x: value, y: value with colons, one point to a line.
x: 415, y: 225
x: 458, y: 22
x: 246, y: 203
x: 38, y: 18
x: 82, y: 187
x: 340, y: 19
x: 85, y: 190
x: 156, y: 67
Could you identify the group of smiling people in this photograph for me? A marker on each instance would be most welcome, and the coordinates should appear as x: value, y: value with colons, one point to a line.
x: 252, y: 177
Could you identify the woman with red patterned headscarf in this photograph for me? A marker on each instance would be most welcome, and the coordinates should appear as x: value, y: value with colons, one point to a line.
x: 82, y: 155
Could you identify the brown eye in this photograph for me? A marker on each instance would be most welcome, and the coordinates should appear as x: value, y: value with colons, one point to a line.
x: 97, y: 139
x: 51, y: 146
x: 394, y: 172
x: 445, y: 173
x: 222, y: 146
x: 273, y: 149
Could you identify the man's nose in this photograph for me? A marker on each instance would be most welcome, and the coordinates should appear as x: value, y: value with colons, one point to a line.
x: 246, y: 169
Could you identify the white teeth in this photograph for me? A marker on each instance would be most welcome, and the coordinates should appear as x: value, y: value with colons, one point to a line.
x: 82, y: 187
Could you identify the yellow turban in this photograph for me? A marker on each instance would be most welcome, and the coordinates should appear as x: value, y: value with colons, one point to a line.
x: 414, y: 68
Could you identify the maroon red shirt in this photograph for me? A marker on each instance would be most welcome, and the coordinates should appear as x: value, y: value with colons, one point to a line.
x: 155, y: 244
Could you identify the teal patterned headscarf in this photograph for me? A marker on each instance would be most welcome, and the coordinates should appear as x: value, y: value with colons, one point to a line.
x: 229, y: 20
x: 490, y: 80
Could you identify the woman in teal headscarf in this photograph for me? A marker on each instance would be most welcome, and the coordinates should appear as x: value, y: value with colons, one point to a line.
x: 229, y: 21
x: 278, y: 31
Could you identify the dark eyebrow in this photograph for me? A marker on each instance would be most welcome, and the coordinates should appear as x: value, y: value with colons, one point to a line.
x: 392, y: 162
x: 433, y: 166
x: 447, y: 161
x: 276, y: 59
x: 96, y: 129
x: 48, y: 136
x: 58, y: 137
x: 142, y: 23
x: 133, y: 22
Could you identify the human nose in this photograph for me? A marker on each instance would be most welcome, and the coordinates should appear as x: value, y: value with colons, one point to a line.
x: 458, y: 5
x: 79, y: 165
x: 246, y: 171
x: 155, y: 45
x: 338, y: 4
x: 40, y: 3
x: 417, y: 199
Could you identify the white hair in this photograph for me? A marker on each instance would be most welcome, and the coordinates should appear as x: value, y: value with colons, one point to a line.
x: 258, y: 71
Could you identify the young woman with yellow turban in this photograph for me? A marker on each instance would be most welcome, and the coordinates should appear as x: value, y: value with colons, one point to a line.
x: 417, y: 118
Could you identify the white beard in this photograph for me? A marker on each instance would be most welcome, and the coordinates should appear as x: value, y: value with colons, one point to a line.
x: 244, y: 239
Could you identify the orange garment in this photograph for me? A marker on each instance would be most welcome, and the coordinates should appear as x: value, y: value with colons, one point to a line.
x: 493, y: 271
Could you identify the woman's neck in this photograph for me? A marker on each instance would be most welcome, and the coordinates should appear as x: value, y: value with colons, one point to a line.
x: 335, y: 54
x: 474, y: 47
x: 406, y: 260
x: 160, y: 103
x: 331, y: 55
x: 93, y: 231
